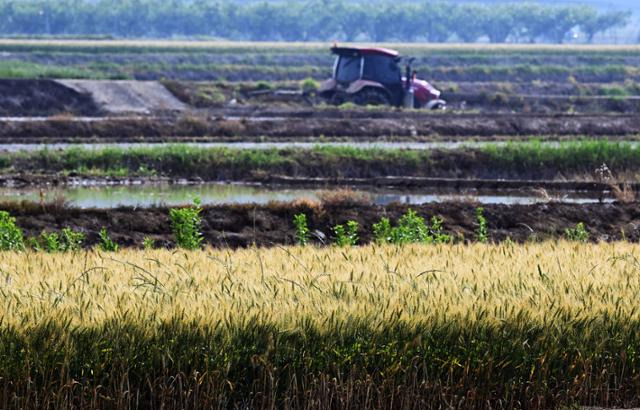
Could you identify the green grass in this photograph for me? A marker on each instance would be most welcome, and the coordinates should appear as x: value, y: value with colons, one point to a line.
x: 534, y: 159
x: 278, y: 71
x: 266, y: 60
x: 22, y: 69
x: 578, y: 156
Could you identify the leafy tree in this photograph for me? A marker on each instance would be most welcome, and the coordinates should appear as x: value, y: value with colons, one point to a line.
x: 436, y: 20
x: 497, y: 22
x: 593, y: 23
x: 322, y: 20
x: 468, y: 25
x: 353, y: 20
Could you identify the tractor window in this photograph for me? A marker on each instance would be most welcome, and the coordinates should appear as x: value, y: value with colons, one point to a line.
x: 381, y: 69
x: 348, y: 69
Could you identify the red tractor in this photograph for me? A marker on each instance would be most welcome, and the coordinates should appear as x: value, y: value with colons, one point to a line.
x: 372, y: 76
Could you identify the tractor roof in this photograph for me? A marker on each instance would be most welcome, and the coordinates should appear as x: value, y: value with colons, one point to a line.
x: 364, y: 51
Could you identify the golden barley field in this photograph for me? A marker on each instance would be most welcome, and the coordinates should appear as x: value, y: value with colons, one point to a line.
x: 472, y: 326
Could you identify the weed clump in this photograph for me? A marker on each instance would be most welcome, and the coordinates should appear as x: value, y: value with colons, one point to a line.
x: 346, y: 236
x: 186, y: 224
x: 148, y: 243
x: 482, y: 231
x: 309, y: 86
x: 302, y: 229
x: 577, y: 234
x: 10, y: 235
x: 411, y: 228
x: 106, y: 243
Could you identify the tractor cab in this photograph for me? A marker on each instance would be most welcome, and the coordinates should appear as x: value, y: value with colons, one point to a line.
x: 373, y: 76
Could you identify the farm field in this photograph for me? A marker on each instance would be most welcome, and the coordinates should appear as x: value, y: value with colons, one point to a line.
x: 533, y: 326
x: 186, y: 224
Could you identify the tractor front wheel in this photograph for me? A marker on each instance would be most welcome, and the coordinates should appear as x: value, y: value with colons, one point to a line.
x: 371, y: 96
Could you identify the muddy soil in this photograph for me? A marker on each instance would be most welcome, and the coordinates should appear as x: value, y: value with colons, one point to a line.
x: 27, y: 98
x: 294, y: 127
x: 270, y: 225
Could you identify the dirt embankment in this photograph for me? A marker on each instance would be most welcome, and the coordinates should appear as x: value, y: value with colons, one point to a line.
x: 269, y: 225
x: 299, y: 128
x: 33, y: 98
x: 40, y: 98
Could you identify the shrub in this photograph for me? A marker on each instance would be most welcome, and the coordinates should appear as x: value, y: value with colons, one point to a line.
x: 50, y: 242
x: 348, y: 236
x: 71, y: 240
x: 66, y: 240
x: 148, y: 243
x: 302, y: 229
x: 185, y: 224
x: 382, y: 231
x: 411, y: 229
x: 436, y: 231
x: 106, y: 244
x: 578, y: 234
x: 482, y: 232
x: 10, y: 235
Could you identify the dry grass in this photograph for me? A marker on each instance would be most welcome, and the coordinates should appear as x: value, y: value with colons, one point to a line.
x: 513, y: 326
x: 344, y: 197
x: 621, y: 190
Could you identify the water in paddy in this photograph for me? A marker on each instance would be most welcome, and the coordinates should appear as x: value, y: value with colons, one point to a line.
x: 152, y: 195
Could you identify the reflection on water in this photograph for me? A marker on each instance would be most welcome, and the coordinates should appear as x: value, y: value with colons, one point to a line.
x: 150, y: 195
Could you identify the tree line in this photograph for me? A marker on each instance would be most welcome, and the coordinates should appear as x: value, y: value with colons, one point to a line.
x: 306, y: 21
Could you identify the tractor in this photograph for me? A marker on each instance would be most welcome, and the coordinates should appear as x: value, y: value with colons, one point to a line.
x: 372, y: 76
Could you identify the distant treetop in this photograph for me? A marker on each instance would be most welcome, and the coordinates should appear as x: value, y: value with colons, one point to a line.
x: 309, y: 20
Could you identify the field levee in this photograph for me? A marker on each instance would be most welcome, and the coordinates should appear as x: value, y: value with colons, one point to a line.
x: 271, y: 225
x: 289, y: 127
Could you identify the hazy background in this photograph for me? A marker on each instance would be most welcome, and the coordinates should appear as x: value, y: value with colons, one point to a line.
x: 496, y: 21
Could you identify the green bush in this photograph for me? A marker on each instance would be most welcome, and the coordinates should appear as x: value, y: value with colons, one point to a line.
x: 66, y: 240
x: 437, y: 231
x: 148, y: 243
x: 106, y: 244
x: 482, y: 232
x: 411, y: 228
x: 185, y: 224
x: 578, y: 234
x: 382, y: 231
x: 49, y: 242
x: 346, y: 236
x: 302, y: 229
x: 11, y: 238
x: 71, y: 240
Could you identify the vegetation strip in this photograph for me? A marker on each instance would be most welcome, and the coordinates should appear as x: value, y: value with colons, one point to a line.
x: 532, y: 326
x: 233, y: 226
x: 418, y: 126
x: 530, y: 160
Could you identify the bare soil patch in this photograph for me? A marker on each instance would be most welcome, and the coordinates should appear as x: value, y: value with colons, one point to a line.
x: 26, y: 98
x: 270, y: 225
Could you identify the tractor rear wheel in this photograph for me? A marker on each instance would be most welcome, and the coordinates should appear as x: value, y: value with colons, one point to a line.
x: 371, y: 96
